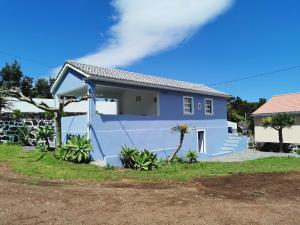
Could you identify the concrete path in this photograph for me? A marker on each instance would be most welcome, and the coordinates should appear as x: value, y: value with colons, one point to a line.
x: 248, y: 154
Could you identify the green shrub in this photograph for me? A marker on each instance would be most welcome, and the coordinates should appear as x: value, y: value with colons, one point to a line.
x: 177, y: 159
x: 42, y: 148
x: 127, y: 157
x: 17, y: 114
x: 24, y: 135
x: 191, y: 156
x: 297, y: 151
x: 145, y: 160
x: 139, y: 160
x: 45, y: 133
x: 77, y: 149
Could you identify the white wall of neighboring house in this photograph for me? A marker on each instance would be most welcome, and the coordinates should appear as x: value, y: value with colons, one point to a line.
x: 79, y: 107
x: 291, y: 135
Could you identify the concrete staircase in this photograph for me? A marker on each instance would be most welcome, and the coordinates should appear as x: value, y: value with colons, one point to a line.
x: 231, y: 144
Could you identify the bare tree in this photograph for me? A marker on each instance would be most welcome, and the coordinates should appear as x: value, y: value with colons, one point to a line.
x: 58, y: 112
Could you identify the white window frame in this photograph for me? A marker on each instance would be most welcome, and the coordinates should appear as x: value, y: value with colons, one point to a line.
x: 212, y: 106
x: 192, y: 104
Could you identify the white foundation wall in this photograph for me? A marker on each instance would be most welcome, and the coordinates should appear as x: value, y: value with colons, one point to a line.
x: 291, y: 135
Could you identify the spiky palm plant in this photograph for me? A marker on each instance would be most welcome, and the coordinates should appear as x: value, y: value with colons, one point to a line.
x: 45, y: 133
x: 182, y: 129
x: 278, y: 122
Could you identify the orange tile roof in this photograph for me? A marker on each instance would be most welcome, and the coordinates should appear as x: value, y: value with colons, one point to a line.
x: 286, y: 103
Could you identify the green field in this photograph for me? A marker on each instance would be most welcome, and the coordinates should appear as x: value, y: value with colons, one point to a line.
x: 46, y: 166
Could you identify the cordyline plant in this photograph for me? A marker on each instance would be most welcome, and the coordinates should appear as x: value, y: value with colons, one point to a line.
x: 15, y: 92
x: 182, y: 129
x: 278, y: 122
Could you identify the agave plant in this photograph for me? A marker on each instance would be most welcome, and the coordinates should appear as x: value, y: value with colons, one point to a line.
x: 191, y: 156
x: 45, y: 133
x: 145, y: 160
x: 78, y: 149
x: 24, y: 135
x: 127, y: 156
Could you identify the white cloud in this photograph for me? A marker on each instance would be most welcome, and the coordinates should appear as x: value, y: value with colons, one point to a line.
x: 147, y: 27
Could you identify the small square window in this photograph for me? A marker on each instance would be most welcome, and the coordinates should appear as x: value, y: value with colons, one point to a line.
x: 138, y: 98
x: 209, y: 110
x: 188, y: 106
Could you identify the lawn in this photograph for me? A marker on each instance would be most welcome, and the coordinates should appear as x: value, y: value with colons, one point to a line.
x: 40, y: 165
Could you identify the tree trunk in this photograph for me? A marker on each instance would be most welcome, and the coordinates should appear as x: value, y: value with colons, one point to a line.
x: 280, y: 140
x: 57, y: 118
x: 178, y: 148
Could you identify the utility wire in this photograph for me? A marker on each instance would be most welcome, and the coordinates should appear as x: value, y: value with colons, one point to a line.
x: 27, y: 59
x: 255, y: 76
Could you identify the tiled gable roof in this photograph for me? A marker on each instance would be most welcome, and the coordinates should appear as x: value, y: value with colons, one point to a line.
x: 287, y: 103
x: 115, y: 75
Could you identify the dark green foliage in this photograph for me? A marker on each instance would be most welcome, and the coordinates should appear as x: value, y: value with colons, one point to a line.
x: 24, y: 135
x: 42, y: 89
x: 45, y: 133
x: 77, y: 149
x: 26, y: 86
x: 297, y: 151
x: 240, y: 111
x: 191, y: 156
x: 278, y: 122
x: 139, y: 160
x: 17, y: 114
x: 127, y: 156
x: 11, y: 75
x: 5, y: 102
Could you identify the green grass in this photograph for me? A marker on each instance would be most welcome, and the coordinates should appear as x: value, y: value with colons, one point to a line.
x: 47, y: 167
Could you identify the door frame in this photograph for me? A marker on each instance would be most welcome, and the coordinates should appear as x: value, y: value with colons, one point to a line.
x: 204, y: 139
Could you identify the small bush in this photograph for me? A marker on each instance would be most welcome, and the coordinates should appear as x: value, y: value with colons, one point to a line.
x: 191, y: 156
x: 45, y: 133
x: 42, y: 148
x: 24, y: 135
x: 127, y: 157
x: 297, y: 151
x: 77, y: 149
x: 139, y: 160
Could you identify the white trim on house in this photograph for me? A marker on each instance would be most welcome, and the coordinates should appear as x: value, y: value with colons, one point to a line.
x: 204, y: 139
x: 212, y: 107
x: 192, y: 105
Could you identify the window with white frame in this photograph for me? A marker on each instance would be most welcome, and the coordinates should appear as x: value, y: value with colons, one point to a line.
x: 188, y: 105
x: 209, y: 107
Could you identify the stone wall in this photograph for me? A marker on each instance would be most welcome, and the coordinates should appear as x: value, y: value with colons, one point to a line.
x: 8, y: 128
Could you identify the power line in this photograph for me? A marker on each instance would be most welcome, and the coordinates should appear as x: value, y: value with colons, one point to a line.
x: 26, y: 59
x: 255, y: 76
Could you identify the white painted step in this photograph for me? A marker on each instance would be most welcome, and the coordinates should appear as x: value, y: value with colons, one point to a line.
x: 221, y: 153
x: 233, y: 141
x: 99, y: 163
x: 230, y: 144
x: 225, y: 148
x: 234, y: 138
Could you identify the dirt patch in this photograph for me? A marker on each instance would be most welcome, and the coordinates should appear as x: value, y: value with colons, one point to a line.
x: 237, y: 199
x: 252, y: 186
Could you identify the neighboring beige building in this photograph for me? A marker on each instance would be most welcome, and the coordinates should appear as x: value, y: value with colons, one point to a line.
x: 287, y: 103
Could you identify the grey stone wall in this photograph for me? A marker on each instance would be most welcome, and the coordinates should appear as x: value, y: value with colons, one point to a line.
x: 8, y: 128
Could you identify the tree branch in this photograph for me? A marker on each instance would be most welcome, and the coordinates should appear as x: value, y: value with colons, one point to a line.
x: 68, y: 101
x: 17, y: 93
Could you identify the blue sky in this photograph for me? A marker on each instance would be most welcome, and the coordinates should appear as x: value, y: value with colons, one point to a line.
x: 248, y: 37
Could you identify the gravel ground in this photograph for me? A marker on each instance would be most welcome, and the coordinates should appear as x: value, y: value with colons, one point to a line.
x: 248, y: 154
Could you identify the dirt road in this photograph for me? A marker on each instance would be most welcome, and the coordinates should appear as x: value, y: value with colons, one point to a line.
x: 238, y: 199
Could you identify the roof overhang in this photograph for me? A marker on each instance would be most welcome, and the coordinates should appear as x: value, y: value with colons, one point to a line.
x: 270, y: 114
x: 126, y: 82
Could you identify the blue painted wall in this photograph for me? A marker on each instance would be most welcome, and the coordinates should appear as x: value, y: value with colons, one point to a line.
x: 73, y: 125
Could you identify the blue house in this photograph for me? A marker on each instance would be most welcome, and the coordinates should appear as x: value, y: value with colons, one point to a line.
x: 147, y: 107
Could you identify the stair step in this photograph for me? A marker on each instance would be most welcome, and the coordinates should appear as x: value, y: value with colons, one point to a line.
x: 232, y: 141
x: 221, y: 153
x: 226, y: 148
x: 234, y: 138
x: 230, y: 144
